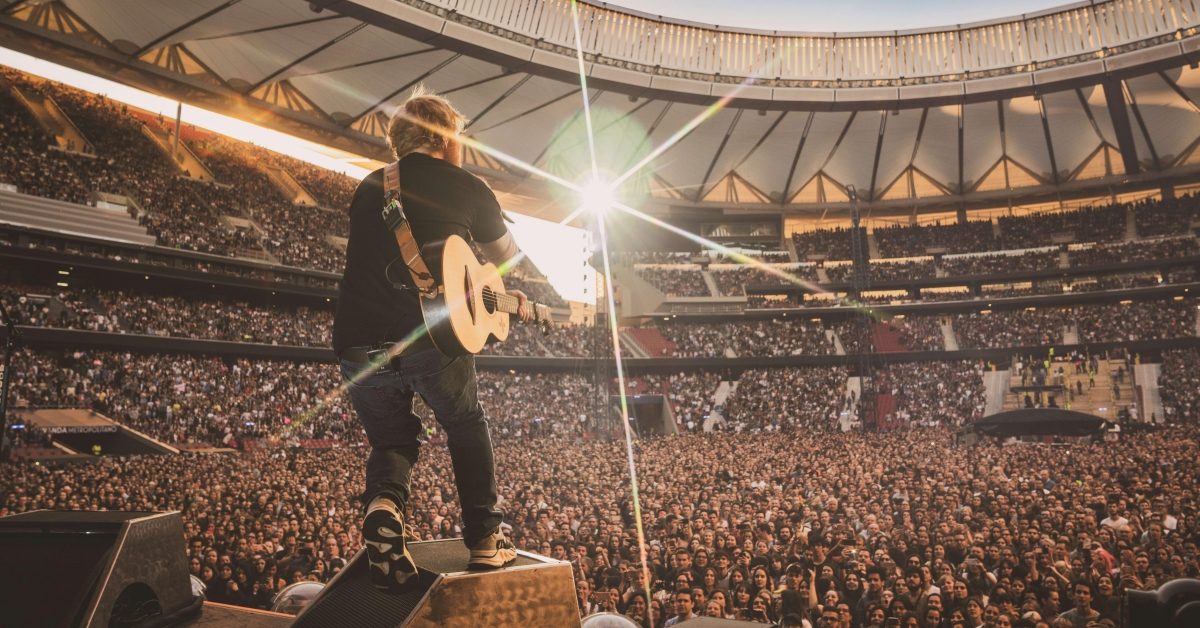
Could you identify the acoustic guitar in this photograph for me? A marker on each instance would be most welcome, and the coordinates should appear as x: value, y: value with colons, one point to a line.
x: 471, y: 307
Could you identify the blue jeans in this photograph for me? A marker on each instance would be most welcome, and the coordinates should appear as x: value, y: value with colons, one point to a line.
x: 383, y: 402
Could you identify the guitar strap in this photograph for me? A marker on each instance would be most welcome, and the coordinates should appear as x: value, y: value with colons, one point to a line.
x: 397, y: 221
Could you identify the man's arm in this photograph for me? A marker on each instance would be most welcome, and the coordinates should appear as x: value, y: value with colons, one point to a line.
x: 501, y: 249
x: 495, y: 240
x: 498, y: 252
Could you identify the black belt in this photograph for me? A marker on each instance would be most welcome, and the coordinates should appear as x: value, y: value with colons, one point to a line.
x: 374, y: 354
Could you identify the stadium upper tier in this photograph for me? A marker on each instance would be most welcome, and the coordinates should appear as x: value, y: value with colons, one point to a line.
x: 1060, y: 104
x: 659, y: 46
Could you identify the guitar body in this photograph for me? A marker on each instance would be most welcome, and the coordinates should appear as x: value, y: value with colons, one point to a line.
x: 462, y: 317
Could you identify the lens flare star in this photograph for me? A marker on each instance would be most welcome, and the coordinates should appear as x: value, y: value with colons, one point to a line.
x: 597, y: 196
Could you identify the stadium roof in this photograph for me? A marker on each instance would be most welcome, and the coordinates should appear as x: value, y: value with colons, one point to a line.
x: 824, y: 16
x: 1070, y: 100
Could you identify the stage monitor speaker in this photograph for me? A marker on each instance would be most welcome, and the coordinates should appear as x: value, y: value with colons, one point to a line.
x: 533, y: 591
x: 94, y: 569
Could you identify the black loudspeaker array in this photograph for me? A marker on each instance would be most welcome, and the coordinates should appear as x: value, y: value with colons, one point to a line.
x: 94, y: 570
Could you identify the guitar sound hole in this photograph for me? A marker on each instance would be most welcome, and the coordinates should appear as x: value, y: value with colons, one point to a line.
x: 489, y: 300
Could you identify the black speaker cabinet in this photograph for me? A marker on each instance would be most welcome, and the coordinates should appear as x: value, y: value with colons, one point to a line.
x: 93, y: 569
x: 534, y: 591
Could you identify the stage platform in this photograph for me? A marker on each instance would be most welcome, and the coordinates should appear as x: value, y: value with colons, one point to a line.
x: 533, y: 591
x: 214, y: 615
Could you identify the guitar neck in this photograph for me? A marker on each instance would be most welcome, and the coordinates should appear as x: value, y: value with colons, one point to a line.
x: 510, y: 304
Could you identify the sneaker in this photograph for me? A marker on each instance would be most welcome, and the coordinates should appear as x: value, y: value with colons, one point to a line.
x: 383, y: 533
x: 492, y: 552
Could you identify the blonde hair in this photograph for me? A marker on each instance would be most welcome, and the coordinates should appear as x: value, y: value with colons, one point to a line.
x: 425, y: 120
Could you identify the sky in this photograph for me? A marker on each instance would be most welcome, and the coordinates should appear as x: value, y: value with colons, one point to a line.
x: 841, y: 16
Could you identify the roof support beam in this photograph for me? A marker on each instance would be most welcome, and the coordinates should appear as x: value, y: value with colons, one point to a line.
x: 182, y: 27
x: 492, y: 105
x: 962, y: 182
x: 360, y: 64
x: 883, y: 117
x: 306, y: 56
x: 1115, y: 100
x: 787, y: 184
x: 1049, y: 142
x: 635, y: 156
x: 527, y: 111
x: 1003, y: 144
x: 752, y: 150
x: 504, y: 74
x: 403, y: 87
x: 717, y: 155
x: 1137, y: 116
x: 563, y: 128
x: 838, y: 142
x: 1179, y: 90
x: 267, y: 29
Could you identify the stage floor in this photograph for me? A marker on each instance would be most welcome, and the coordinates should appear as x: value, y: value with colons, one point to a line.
x: 216, y: 615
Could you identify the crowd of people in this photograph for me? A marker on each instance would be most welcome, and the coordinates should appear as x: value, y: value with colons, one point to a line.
x: 690, y: 394
x: 555, y: 341
x: 1120, y: 281
x: 676, y: 282
x: 996, y: 264
x: 915, y: 240
x: 731, y: 281
x: 131, y: 312
x: 1143, y: 320
x: 291, y: 515
x: 118, y: 311
x: 189, y: 399
x: 183, y: 399
x: 933, y: 393
x: 1170, y: 217
x: 1135, y: 251
x: 788, y: 399
x: 181, y: 212
x: 29, y: 158
x: 1162, y: 217
x: 178, y: 209
x: 295, y: 234
x: 1086, y: 224
x: 828, y: 243
x: 1179, y: 385
x: 885, y: 271
x: 1116, y: 322
x: 1011, y: 328
x: 836, y: 529
x: 921, y: 333
x: 768, y: 337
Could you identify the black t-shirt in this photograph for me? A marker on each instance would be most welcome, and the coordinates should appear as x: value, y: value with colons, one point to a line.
x: 440, y: 200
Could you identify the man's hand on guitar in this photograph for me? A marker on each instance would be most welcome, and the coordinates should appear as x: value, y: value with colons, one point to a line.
x: 523, y: 310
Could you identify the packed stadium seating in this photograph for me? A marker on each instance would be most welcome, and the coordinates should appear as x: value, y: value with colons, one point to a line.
x: 906, y: 241
x: 680, y: 282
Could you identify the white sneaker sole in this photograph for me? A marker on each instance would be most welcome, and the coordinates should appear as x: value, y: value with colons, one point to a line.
x: 391, y: 565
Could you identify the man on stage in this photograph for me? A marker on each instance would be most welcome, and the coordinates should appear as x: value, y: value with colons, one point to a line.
x: 375, y: 319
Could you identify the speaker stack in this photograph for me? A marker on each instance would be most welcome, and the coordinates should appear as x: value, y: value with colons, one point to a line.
x: 94, y: 569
